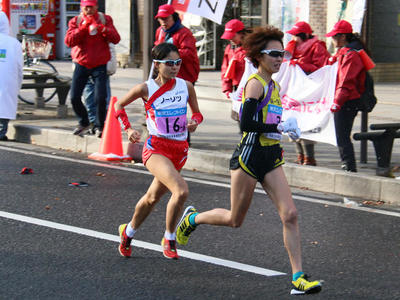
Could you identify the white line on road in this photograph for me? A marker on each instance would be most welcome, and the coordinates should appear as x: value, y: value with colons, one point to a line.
x: 202, y: 181
x: 141, y: 244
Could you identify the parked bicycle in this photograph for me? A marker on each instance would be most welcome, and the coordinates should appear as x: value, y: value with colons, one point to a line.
x: 36, y: 67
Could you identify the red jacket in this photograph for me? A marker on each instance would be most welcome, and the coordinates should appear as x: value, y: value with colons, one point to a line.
x: 235, y: 73
x: 91, y: 51
x: 310, y: 55
x: 350, y: 80
x: 184, y: 40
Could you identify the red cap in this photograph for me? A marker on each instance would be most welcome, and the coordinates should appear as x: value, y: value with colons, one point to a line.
x: 340, y: 27
x: 231, y: 28
x: 165, y: 11
x: 89, y: 3
x: 300, y: 27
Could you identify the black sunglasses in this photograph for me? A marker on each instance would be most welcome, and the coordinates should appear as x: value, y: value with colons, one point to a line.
x: 274, y: 52
x: 170, y: 62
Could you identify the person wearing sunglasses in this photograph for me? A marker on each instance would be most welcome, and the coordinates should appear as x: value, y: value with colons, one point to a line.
x: 165, y: 151
x: 172, y: 31
x: 258, y: 156
x: 350, y: 84
x: 310, y: 54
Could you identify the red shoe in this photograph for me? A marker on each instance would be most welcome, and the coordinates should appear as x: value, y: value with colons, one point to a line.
x: 309, y: 161
x: 169, y: 247
x: 300, y: 159
x: 125, y: 248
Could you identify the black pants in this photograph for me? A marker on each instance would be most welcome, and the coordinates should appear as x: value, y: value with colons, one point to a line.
x: 344, y: 120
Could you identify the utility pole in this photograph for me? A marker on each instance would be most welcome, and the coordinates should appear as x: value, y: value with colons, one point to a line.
x: 148, y: 37
x: 149, y: 30
x: 264, y: 12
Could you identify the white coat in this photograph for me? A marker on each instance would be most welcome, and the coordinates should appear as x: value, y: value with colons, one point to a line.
x: 11, y: 64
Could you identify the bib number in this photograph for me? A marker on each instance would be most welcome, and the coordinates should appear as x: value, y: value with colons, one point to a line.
x: 274, y: 116
x: 171, y: 121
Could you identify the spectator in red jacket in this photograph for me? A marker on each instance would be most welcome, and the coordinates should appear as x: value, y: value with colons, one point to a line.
x: 172, y: 31
x: 350, y: 83
x: 233, y: 63
x: 310, y: 54
x: 89, y: 35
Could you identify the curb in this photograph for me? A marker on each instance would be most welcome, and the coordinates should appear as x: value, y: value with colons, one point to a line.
x: 313, y: 178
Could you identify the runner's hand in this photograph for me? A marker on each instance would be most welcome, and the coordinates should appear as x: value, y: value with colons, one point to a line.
x: 289, y: 125
x: 192, y: 125
x: 294, y: 134
x: 133, y: 135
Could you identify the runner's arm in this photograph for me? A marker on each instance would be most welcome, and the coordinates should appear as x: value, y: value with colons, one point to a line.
x: 253, y: 91
x: 197, y: 117
x: 138, y: 91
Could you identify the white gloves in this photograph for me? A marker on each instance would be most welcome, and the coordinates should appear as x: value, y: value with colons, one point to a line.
x: 295, y: 134
x: 290, y: 127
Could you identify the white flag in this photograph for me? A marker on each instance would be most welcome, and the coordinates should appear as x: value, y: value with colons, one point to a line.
x: 210, y: 9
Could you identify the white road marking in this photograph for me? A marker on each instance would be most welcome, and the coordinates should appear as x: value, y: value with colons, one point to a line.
x: 202, y: 181
x: 141, y: 244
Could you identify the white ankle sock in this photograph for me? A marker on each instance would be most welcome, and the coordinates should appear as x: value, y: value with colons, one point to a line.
x: 129, y: 230
x: 169, y: 236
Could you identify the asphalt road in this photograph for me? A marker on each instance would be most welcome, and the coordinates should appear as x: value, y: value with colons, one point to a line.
x: 60, y: 242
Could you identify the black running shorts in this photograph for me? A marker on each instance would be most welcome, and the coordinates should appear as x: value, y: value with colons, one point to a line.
x: 257, y: 160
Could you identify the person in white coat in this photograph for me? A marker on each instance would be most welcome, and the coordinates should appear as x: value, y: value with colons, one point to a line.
x: 11, y: 64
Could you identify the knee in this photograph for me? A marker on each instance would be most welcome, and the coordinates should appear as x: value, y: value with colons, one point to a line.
x: 236, y: 222
x: 290, y: 217
x: 182, y: 193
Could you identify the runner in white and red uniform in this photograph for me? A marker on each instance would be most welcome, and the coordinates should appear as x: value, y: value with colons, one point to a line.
x: 165, y: 151
x: 166, y: 119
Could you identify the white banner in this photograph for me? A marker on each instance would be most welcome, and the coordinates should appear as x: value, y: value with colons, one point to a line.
x: 210, y: 9
x: 308, y: 98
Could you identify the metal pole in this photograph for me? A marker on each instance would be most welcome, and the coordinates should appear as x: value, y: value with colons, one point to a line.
x: 363, y: 143
x: 364, y: 114
x: 147, y: 37
x: 264, y: 12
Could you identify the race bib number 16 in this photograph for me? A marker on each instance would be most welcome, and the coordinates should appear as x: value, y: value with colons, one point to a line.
x: 171, y: 121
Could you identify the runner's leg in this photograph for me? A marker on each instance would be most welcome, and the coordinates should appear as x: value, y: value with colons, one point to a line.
x: 242, y: 189
x: 147, y: 202
x: 277, y: 187
x: 164, y: 171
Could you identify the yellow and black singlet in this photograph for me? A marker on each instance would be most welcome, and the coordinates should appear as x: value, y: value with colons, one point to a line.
x: 260, y: 117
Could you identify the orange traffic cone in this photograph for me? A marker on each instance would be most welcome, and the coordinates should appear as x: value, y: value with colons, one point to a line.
x: 111, y: 140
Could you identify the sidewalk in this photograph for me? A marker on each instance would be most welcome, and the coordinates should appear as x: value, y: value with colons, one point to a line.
x: 215, y: 140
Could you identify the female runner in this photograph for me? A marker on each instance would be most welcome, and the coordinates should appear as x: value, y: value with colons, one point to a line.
x: 258, y: 156
x: 165, y: 151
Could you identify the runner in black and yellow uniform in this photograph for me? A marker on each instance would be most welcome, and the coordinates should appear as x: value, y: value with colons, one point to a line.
x: 258, y: 157
x: 259, y: 150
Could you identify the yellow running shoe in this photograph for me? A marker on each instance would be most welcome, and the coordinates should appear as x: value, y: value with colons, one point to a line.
x: 184, y: 229
x: 303, y: 286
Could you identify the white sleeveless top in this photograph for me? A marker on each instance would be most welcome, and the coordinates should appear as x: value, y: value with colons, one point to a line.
x: 167, y: 116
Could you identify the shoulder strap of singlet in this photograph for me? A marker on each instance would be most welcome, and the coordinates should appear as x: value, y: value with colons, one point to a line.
x: 164, y: 88
x: 267, y: 97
